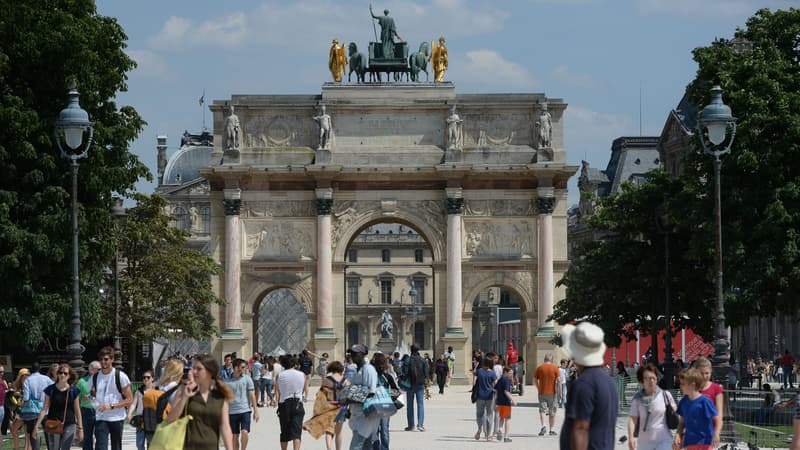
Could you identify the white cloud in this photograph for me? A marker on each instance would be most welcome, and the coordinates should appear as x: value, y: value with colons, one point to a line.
x: 275, y: 24
x: 567, y: 78
x: 488, y: 68
x: 705, y: 9
x: 149, y: 64
x: 179, y: 33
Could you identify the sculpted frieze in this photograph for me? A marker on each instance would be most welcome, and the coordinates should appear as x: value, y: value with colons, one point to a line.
x: 487, y: 130
x: 348, y: 211
x: 502, y: 240
x: 511, y: 208
x: 268, y: 240
x: 283, y: 208
x: 278, y: 131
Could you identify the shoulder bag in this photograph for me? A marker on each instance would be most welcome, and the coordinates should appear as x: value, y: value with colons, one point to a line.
x: 355, y: 393
x: 671, y: 415
x: 55, y: 426
x: 171, y: 435
x: 380, y: 404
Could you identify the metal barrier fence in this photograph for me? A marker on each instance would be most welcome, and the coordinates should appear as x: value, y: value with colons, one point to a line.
x: 757, y: 426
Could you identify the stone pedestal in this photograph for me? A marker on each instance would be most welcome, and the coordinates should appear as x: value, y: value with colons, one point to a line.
x: 541, y: 345
x: 233, y: 341
x: 325, y: 341
x: 385, y: 345
x: 463, y: 362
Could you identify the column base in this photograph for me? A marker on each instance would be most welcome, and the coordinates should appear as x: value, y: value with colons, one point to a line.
x: 233, y: 341
x: 541, y: 346
x: 546, y: 331
x: 458, y: 340
x: 325, y: 341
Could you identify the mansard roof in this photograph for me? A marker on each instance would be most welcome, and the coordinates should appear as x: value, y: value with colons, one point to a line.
x: 194, y: 154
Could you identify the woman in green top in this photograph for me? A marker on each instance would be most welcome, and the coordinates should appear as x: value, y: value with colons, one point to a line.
x: 207, y: 398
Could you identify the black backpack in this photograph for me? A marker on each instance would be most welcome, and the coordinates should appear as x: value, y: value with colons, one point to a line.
x: 416, y: 370
x: 163, y: 401
x: 116, y: 380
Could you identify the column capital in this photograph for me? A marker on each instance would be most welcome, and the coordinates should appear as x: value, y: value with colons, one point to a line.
x: 454, y: 205
x: 545, y: 205
x: 324, y: 206
x: 232, y: 206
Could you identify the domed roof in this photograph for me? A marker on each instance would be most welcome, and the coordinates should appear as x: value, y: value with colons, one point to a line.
x: 194, y: 154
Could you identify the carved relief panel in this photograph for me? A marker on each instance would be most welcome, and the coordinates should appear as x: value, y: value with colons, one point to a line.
x: 266, y: 240
x: 285, y: 130
x: 503, y: 240
x: 497, y: 129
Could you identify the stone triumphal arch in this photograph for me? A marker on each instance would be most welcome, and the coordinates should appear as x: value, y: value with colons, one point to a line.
x: 479, y: 180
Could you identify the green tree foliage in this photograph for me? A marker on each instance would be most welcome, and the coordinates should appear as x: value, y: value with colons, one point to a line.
x: 165, y: 287
x: 761, y: 176
x: 618, y: 282
x: 43, y: 44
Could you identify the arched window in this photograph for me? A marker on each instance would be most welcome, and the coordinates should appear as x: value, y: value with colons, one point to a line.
x: 181, y: 219
x: 419, y: 334
x: 205, y: 219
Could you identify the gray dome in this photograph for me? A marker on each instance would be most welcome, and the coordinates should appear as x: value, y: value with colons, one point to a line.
x: 185, y: 164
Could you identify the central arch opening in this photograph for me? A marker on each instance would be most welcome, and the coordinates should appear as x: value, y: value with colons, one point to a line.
x: 389, y: 289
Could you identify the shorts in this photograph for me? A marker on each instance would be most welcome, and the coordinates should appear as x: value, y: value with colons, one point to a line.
x: 240, y: 422
x: 547, y: 404
x: 290, y: 416
x: 504, y: 411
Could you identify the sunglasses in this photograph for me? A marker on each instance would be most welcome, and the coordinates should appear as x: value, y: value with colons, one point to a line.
x: 63, y: 373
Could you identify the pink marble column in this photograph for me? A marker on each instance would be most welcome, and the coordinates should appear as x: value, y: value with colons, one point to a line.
x: 324, y: 267
x: 545, y: 206
x: 455, y: 207
x: 233, y: 257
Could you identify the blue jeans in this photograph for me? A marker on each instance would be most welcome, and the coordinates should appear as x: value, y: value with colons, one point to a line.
x: 87, y: 414
x: 140, y: 439
x: 266, y: 385
x: 418, y: 393
x: 103, y: 429
x: 360, y: 442
x: 787, y: 376
x: 382, y: 443
x: 484, y: 416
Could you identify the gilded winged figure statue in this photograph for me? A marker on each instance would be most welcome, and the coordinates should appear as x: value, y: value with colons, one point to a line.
x: 439, y: 60
x: 337, y: 60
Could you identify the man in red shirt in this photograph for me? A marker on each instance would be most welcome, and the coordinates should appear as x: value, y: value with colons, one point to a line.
x: 787, y: 362
x: 512, y: 359
x: 547, y: 381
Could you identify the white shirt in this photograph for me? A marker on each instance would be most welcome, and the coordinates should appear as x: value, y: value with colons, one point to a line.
x: 106, y: 393
x: 291, y: 384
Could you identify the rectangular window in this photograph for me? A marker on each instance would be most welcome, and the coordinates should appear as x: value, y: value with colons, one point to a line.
x: 419, y: 334
x: 352, y: 256
x: 418, y: 255
x: 386, y: 292
x: 419, y: 286
x: 352, y: 290
x: 386, y: 256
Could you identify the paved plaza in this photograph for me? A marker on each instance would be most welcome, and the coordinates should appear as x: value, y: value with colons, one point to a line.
x: 449, y: 424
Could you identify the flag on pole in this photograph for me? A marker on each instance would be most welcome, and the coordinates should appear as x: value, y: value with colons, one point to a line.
x: 202, y: 99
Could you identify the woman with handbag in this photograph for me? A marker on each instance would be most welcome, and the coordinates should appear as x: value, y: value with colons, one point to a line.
x: 205, y: 398
x: 62, y: 409
x: 648, y: 427
x: 136, y: 410
x: 327, y: 408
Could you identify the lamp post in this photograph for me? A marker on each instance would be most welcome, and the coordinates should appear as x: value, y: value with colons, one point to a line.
x: 712, y: 126
x: 664, y: 225
x: 120, y: 214
x: 72, y: 124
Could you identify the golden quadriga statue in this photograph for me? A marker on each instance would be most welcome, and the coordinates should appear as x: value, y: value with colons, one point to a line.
x: 337, y: 60
x: 439, y: 60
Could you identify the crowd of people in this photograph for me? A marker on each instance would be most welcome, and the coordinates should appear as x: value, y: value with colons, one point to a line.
x: 225, y: 399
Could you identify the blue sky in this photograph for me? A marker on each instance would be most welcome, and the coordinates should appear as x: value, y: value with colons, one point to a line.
x: 595, y: 54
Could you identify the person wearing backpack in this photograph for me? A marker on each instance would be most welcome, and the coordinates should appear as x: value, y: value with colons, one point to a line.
x: 112, y: 390
x: 136, y: 412
x: 417, y: 374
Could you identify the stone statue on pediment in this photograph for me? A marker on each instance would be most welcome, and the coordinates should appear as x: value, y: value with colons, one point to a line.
x: 454, y: 130
x: 232, y: 130
x: 325, y: 128
x: 545, y: 126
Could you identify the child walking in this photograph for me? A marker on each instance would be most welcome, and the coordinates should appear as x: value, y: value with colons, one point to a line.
x: 699, y: 423
x: 504, y: 402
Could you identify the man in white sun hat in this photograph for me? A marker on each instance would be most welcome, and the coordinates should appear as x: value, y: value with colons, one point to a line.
x: 591, y: 412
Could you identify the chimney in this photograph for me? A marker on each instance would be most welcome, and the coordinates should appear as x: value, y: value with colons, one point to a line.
x: 161, y: 146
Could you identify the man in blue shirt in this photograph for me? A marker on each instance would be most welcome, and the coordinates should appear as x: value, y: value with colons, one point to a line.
x: 591, y: 412
x: 32, y: 402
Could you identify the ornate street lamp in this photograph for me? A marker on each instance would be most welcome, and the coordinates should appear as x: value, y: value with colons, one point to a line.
x: 72, y: 127
x: 665, y: 227
x: 712, y: 126
x: 120, y: 214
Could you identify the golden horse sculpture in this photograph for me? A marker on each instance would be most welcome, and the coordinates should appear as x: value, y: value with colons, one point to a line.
x: 439, y: 60
x: 337, y: 60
